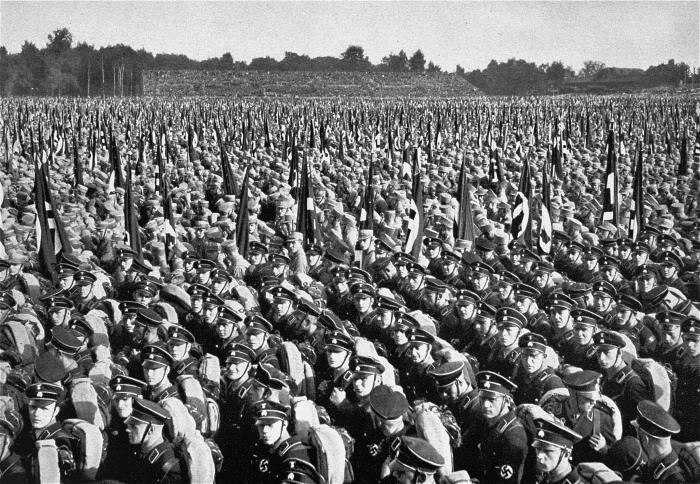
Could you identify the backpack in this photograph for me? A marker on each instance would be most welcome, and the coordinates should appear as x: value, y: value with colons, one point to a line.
x: 429, y: 426
x: 86, y: 403
x: 659, y: 380
x: 23, y: 340
x: 329, y: 452
x: 45, y: 466
x: 203, y: 408
x: 196, y: 456
x: 298, y: 369
x: 90, y: 452
x: 304, y: 415
x: 596, y: 473
x: 688, y: 458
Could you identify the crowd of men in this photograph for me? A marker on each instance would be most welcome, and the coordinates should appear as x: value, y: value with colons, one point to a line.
x: 359, y: 347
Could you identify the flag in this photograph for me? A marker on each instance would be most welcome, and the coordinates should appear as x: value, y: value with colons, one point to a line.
x: 696, y: 150
x: 636, y: 222
x: 50, y: 233
x: 77, y: 166
x: 131, y: 223
x: 521, y: 208
x: 367, y: 209
x: 683, y: 164
x: 495, y: 168
x: 226, y: 170
x: 414, y: 238
x: 242, y: 230
x: 610, y: 194
x: 306, y: 212
x: 464, y: 222
x: 544, y: 241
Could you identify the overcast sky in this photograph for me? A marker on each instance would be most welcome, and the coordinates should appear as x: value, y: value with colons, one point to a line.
x: 621, y: 34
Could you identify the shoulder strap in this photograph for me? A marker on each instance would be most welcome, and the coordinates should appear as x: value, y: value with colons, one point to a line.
x: 167, y: 466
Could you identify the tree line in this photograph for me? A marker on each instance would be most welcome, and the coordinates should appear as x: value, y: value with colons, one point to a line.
x: 62, y: 68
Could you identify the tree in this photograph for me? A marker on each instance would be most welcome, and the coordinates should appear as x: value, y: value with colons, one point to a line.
x: 396, y: 63
x: 354, y: 59
x: 591, y: 68
x: 60, y: 41
x: 556, y: 72
x: 417, y: 61
x: 459, y: 70
x: 433, y: 68
x: 227, y: 61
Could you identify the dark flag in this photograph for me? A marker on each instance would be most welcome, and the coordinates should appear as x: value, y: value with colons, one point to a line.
x: 50, y: 233
x: 414, y: 238
x: 77, y: 168
x: 226, y: 170
x: 636, y: 223
x: 367, y: 209
x: 521, y: 208
x: 610, y: 193
x: 306, y: 212
x: 242, y: 230
x: 696, y: 150
x: 495, y: 168
x: 294, y: 164
x: 131, y: 223
x: 464, y: 223
x: 544, y: 241
x: 683, y: 164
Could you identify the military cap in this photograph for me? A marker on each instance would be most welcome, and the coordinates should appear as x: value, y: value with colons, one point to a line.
x: 402, y: 258
x: 529, y: 254
x: 84, y: 278
x: 525, y: 290
x: 574, y: 244
x: 625, y: 455
x: 328, y: 319
x: 584, y: 317
x: 11, y: 423
x: 281, y: 292
x: 279, y: 258
x: 255, y: 247
x: 58, y: 302
x: 508, y: 316
x: 625, y: 242
x: 592, y: 252
x: 126, y: 385
x: 178, y: 333
x: 609, y: 261
x: 204, y: 265
x: 355, y: 273
x: 605, y: 340
x: 668, y: 257
x: 508, y: 277
x: 586, y: 382
x: 48, y: 368
x: 309, y: 307
x: 656, y: 421
x: 605, y: 288
x: 65, y: 340
x: 543, y: 267
x: 465, y: 296
x: 313, y: 249
x: 447, y: 373
x: 578, y: 289
x: 419, y: 336
x: 608, y: 242
x: 80, y: 326
x: 387, y: 303
x: 641, y: 247
x: 433, y: 284
x: 655, y: 296
x: 552, y: 432
x: 156, y: 354
x: 124, y: 252
x: 197, y: 289
x: 220, y: 275
x: 479, y: 267
x: 6, y: 300
x: 533, y: 342
x: 336, y: 256
x: 386, y: 403
x: 337, y: 340
x: 561, y: 235
x: 366, y: 365
x: 415, y: 268
x: 432, y: 242
x: 691, y: 328
x: 131, y: 307
x: 268, y: 411
x: 148, y: 317
x: 649, y: 230
x: 212, y: 300
x: 419, y: 455
x: 239, y: 352
x: 145, y: 286
x: 669, y: 318
x: 485, y: 311
x: 448, y: 255
x: 43, y: 393
x: 645, y: 271
x: 494, y: 383
x: 339, y: 272
x: 665, y: 240
x: 148, y: 412
x: 628, y: 301
x: 299, y: 471
x: 64, y: 269
x: 257, y: 323
x: 560, y: 300
x: 482, y: 243
x: 380, y: 243
x: 362, y: 289
x: 405, y: 321
x: 269, y: 376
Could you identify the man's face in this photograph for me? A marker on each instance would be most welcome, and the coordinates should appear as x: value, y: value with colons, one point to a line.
x: 574, y: 254
x: 532, y: 361
x: 363, y: 384
x: 58, y: 316
x: 255, y: 339
x: 668, y: 271
x: 607, y: 357
x: 610, y: 273
x: 639, y: 257
x: 418, y: 352
x: 415, y: 281
x: 433, y: 251
x: 601, y: 302
x: 123, y: 405
x: 449, y: 394
x: 466, y: 309
x: 177, y: 349
x: 692, y: 345
x: 236, y: 369
x: 522, y: 304
x: 65, y: 282
x: 560, y: 316
x: 541, y: 280
x: 480, y: 281
x: 508, y: 334
x: 125, y: 263
x: 154, y: 374
x: 398, y: 335
x: 448, y: 267
x: 136, y: 430
x: 203, y: 277
x: 280, y: 308
x: 197, y: 303
x: 646, y: 283
x: 547, y: 457
x: 590, y: 263
x: 672, y: 334
x: 85, y: 290
x: 491, y: 405
x: 482, y: 326
x: 211, y: 312
x: 362, y: 302
x: 143, y: 297
x: 585, y: 403
x: 336, y: 357
x: 218, y: 286
x: 270, y: 432
x: 224, y: 329
x: 583, y: 333
x: 41, y: 415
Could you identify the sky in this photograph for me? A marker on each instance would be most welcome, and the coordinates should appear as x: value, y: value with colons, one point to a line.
x: 618, y: 33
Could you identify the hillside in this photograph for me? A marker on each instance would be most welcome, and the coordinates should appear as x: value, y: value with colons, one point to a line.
x: 303, y: 83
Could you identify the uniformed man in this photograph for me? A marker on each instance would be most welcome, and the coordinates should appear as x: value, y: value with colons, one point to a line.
x: 156, y: 363
x: 180, y: 343
x: 503, y: 292
x: 416, y: 461
x: 479, y: 278
x: 413, y: 292
x: 485, y: 334
x: 688, y: 378
x: 655, y: 427
x: 553, y: 446
x: 226, y: 331
x: 542, y: 280
x: 671, y: 348
x: 503, y: 447
x: 604, y: 296
x: 525, y: 301
x: 558, y: 307
x: 363, y: 297
x: 157, y: 461
x: 450, y: 269
x: 533, y: 376
x: 414, y: 377
x: 620, y: 382
x: 334, y: 372
x: 83, y: 296
x: 580, y: 351
x: 456, y: 323
x: 505, y: 355
x: 610, y: 272
x: 257, y: 335
x: 58, y: 309
x: 670, y: 266
x: 628, y: 319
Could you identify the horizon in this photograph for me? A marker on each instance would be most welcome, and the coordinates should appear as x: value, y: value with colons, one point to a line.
x: 450, y: 33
